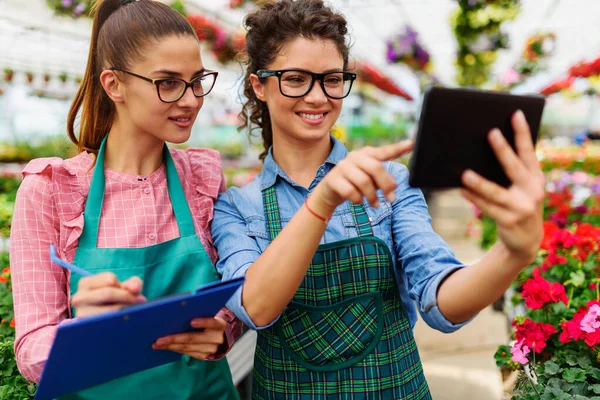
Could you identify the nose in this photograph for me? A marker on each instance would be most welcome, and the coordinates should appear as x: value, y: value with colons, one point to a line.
x: 316, y: 94
x: 189, y: 100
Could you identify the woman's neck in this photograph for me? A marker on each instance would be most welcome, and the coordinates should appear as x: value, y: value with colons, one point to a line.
x: 301, y: 159
x: 130, y: 152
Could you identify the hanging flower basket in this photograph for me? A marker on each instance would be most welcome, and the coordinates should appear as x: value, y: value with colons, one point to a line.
x: 8, y: 74
x: 405, y: 48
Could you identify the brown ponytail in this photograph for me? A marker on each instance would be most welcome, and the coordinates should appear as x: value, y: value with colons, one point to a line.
x: 269, y: 28
x: 120, y: 31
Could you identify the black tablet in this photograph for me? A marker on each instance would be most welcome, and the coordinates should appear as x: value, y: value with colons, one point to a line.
x: 452, y: 134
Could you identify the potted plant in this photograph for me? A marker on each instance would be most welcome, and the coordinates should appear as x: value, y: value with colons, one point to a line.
x: 8, y: 74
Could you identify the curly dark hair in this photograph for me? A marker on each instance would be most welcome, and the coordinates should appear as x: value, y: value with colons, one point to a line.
x: 272, y: 26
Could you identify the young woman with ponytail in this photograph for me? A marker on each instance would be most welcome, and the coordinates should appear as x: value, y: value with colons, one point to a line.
x: 126, y: 208
x: 337, y: 249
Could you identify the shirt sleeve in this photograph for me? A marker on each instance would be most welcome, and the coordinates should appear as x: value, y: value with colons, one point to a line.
x: 237, y: 251
x: 39, y: 287
x: 234, y: 330
x: 425, y: 259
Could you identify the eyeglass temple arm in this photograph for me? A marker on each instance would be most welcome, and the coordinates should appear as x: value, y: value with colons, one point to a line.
x: 263, y: 73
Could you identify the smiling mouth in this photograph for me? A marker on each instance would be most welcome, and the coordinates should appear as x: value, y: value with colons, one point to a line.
x: 181, y: 119
x: 312, y: 116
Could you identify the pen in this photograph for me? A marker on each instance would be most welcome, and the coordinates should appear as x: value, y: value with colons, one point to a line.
x: 73, y: 268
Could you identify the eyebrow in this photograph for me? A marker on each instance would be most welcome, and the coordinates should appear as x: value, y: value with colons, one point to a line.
x: 306, y: 70
x: 177, y: 74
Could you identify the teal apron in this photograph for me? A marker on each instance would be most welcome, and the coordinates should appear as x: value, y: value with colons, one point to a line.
x: 345, y: 334
x: 176, y: 266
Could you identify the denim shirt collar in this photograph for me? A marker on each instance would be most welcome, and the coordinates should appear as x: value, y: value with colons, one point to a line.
x: 271, y: 170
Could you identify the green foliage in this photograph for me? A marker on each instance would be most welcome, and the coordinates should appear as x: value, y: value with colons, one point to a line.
x: 476, y: 26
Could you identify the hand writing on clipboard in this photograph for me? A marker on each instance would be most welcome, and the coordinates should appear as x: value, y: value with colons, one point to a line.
x: 100, y: 293
x: 103, y: 292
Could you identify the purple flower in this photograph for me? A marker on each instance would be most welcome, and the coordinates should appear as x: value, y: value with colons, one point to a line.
x: 582, y: 209
x: 79, y: 9
x: 421, y: 55
x: 391, y: 54
x: 66, y: 3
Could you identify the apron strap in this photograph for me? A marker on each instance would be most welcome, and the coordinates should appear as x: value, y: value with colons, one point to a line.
x: 273, y: 218
x: 95, y: 199
x: 179, y: 203
x: 361, y: 219
x: 271, y: 210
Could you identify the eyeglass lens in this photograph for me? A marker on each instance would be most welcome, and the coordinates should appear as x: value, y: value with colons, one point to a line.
x: 298, y: 83
x: 173, y: 89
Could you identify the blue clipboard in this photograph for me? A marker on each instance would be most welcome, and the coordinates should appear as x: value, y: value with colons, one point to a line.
x: 95, y: 350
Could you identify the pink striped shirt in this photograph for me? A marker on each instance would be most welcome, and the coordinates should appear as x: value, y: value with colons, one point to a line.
x: 136, y: 213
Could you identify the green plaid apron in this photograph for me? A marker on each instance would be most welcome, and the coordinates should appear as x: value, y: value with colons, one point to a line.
x: 346, y: 334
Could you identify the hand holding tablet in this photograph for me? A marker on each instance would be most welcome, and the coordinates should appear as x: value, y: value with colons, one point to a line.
x: 453, y: 131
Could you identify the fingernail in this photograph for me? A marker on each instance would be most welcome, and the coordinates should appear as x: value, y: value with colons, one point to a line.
x: 496, y: 134
x: 141, y: 298
x: 196, y: 324
x: 161, y: 341
x: 470, y: 177
x: 519, y: 114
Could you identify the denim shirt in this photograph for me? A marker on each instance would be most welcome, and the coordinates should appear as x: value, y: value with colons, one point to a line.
x: 421, y: 258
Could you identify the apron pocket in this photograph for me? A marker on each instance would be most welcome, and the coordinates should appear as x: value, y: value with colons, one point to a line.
x: 328, y: 338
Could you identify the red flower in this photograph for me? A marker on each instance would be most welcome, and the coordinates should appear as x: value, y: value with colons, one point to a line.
x: 572, y: 329
x: 553, y: 260
x: 4, y: 275
x: 564, y: 210
x: 550, y: 229
x: 586, y: 240
x: 12, y: 323
x: 555, y: 199
x: 564, y: 238
x: 538, y: 291
x: 534, y: 334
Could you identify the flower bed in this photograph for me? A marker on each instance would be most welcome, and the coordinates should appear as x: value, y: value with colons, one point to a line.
x: 556, y: 346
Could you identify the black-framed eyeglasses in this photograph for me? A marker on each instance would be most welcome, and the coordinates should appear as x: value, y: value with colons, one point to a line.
x: 297, y: 82
x: 170, y: 90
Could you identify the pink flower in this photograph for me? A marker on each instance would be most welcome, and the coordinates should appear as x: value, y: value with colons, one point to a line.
x: 519, y: 352
x: 590, y: 322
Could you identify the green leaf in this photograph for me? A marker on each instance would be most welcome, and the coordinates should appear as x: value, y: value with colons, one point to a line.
x: 551, y: 368
x: 584, y: 361
x: 579, y: 388
x: 554, y: 383
x: 594, y: 388
x: 572, y: 375
x: 571, y: 359
x: 577, y: 278
x: 594, y: 373
x: 502, y: 355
